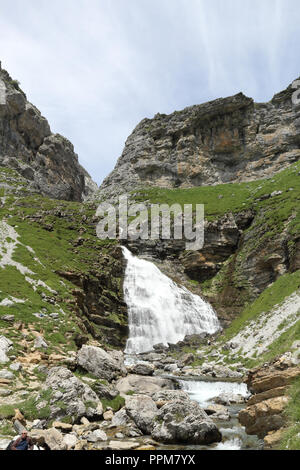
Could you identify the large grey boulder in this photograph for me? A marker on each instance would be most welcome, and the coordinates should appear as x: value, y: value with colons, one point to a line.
x: 51, y: 438
x: 121, y: 418
x: 100, y: 363
x: 165, y: 396
x: 70, y: 396
x: 183, y: 421
x: 142, y: 410
x: 142, y: 369
x: 143, y: 384
x: 106, y: 392
x: 5, y: 345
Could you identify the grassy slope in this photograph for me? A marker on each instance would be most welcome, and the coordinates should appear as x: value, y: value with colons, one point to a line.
x: 291, y: 437
x: 235, y: 197
x: 51, y: 229
x: 275, y: 214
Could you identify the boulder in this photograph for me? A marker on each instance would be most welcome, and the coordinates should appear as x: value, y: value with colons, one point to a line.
x: 51, y: 438
x: 171, y: 368
x: 264, y: 416
x: 6, y: 374
x: 19, y: 426
x: 5, y: 392
x: 160, y: 347
x: 272, y: 393
x: 106, y: 392
x: 263, y: 379
x: 82, y: 445
x: 16, y: 366
x: 108, y: 415
x: 70, y: 440
x: 77, y: 398
x: 142, y: 369
x: 96, y: 436
x: 187, y: 359
x: 84, y: 421
x: 152, y: 356
x: 142, y: 410
x: 165, y: 396
x: 224, y: 372
x: 100, y: 363
x: 5, y: 346
x: 121, y: 418
x: 272, y: 439
x: 65, y: 427
x: 143, y: 384
x: 19, y: 418
x: 227, y: 399
x: 269, y: 384
x: 8, y: 318
x: 40, y: 343
x: 219, y: 412
x: 184, y: 422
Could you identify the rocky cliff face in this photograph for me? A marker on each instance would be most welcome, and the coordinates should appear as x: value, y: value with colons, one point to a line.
x: 226, y: 140
x: 46, y: 160
x: 269, y: 385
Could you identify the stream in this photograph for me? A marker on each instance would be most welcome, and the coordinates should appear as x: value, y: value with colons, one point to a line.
x: 234, y: 435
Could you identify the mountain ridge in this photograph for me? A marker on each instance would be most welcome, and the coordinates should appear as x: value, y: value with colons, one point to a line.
x: 27, y: 145
x: 230, y: 139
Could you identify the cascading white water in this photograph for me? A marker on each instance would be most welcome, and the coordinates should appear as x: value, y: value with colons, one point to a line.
x: 160, y: 311
x: 203, y: 391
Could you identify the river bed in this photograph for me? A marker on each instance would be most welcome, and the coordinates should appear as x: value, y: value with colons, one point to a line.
x: 234, y: 435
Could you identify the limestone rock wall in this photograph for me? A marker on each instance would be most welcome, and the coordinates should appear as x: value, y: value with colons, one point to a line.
x: 227, y: 140
x: 46, y: 160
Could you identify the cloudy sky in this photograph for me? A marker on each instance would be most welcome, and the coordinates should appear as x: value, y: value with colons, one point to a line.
x: 95, y: 68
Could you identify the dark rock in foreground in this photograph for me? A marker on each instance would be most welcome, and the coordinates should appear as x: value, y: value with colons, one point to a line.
x: 184, y: 422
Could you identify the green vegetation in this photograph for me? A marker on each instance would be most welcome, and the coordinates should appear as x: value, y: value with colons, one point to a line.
x: 283, y: 343
x: 48, y: 232
x: 291, y: 437
x: 283, y: 287
x: 234, y: 197
x: 28, y: 409
x: 6, y: 429
x: 116, y: 403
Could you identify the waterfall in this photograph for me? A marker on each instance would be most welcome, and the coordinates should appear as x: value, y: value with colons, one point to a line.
x: 160, y: 311
x: 204, y: 391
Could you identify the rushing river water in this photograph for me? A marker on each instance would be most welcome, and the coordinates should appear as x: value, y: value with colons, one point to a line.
x: 234, y: 435
x: 204, y: 391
